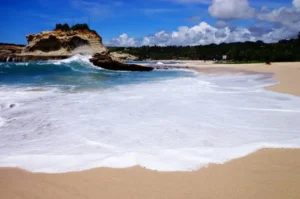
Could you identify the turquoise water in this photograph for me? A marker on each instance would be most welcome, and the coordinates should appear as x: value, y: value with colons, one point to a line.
x: 78, y: 73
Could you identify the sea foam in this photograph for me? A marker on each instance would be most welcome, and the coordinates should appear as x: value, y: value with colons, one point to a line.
x: 178, y: 124
x: 75, y: 58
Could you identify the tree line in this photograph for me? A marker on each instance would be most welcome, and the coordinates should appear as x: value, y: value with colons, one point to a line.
x: 282, y: 51
x: 66, y: 27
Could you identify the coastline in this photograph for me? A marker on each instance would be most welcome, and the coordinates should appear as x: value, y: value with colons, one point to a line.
x: 286, y: 73
x: 268, y: 173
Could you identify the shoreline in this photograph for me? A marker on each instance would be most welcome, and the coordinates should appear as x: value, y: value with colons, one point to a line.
x: 267, y: 173
x: 287, y: 73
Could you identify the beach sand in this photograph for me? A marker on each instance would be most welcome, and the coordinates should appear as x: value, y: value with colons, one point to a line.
x: 268, y: 173
x: 288, y: 74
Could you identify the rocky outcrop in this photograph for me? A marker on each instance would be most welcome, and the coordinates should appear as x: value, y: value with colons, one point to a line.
x: 106, y: 62
x: 63, y: 43
x: 9, y: 51
x: 51, y: 45
x: 123, y: 56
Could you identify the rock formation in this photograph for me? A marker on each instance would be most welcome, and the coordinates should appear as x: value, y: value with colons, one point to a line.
x: 50, y: 45
x: 64, y: 43
x: 59, y: 44
x: 106, y: 62
x: 123, y: 56
x: 9, y: 51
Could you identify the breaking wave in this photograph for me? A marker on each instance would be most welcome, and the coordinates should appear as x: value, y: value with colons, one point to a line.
x: 75, y: 71
x: 162, y: 120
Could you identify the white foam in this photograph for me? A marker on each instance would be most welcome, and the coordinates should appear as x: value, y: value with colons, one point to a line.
x: 75, y: 58
x: 160, y: 63
x: 22, y: 63
x: 2, y: 121
x: 173, y: 125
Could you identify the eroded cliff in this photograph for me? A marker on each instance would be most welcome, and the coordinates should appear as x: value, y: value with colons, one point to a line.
x: 64, y: 43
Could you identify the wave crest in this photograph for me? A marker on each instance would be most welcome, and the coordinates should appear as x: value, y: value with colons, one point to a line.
x: 78, y: 58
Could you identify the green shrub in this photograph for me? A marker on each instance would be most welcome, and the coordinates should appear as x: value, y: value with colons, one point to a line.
x: 66, y: 27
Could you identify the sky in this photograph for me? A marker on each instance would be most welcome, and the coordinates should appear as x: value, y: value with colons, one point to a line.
x: 156, y: 22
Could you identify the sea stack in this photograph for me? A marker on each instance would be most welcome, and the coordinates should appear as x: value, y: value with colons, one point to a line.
x: 63, y: 42
x: 60, y: 43
x: 105, y: 61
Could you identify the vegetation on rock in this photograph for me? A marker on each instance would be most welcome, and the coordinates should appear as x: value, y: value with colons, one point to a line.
x: 62, y: 27
x: 65, y: 27
x: 282, y: 51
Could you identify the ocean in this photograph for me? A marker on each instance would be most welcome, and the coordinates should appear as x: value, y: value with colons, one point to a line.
x: 68, y: 115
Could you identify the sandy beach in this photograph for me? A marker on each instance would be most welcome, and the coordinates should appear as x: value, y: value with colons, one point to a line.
x: 268, y: 173
x: 286, y: 73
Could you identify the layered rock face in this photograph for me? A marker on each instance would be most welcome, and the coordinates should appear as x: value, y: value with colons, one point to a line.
x: 61, y: 43
x: 9, y: 51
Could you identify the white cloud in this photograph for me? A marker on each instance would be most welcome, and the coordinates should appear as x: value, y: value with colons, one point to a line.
x: 231, y: 9
x: 198, y: 35
x: 123, y: 40
x: 278, y: 34
x: 296, y: 3
x: 203, y: 34
x: 272, y: 25
x: 289, y: 17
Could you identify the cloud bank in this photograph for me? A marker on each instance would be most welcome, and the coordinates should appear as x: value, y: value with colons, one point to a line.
x: 270, y: 26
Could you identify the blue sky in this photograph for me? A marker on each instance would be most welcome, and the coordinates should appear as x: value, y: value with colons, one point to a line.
x: 152, y: 22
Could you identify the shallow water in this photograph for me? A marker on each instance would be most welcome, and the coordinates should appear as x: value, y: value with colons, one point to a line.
x: 67, y: 120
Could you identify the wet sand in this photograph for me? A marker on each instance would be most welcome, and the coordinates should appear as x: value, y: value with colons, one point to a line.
x: 262, y: 175
x: 268, y: 173
x: 288, y: 74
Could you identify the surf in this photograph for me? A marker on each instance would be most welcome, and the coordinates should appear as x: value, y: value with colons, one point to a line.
x: 163, y: 120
